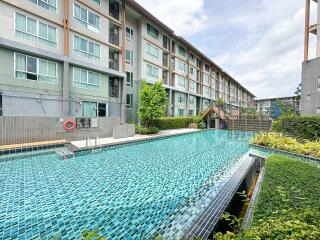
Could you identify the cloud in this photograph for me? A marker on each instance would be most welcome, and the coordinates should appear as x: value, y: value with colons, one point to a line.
x: 184, y: 17
x: 271, y: 65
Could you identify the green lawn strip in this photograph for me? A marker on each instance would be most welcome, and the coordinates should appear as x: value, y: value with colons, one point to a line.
x: 288, y: 183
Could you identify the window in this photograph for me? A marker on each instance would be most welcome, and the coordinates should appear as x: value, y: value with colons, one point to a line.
x: 206, y: 79
x: 192, y: 99
x: 114, y: 87
x: 89, y: 109
x: 35, y: 31
x: 182, y: 51
x: 129, y: 79
x: 192, y: 86
x: 1, y: 111
x: 86, y: 79
x: 153, y: 51
x: 102, y: 110
x: 85, y: 48
x: 181, y: 98
x: 181, y: 112
x: 129, y: 35
x: 50, y: 5
x: 86, y: 18
x: 206, y: 67
x: 206, y: 91
x: 36, y: 69
x: 152, y: 71
x: 192, y: 58
x: 97, y: 1
x: 191, y: 112
x: 114, y: 9
x: 129, y: 56
x: 152, y: 31
x: 181, y: 82
x: 165, y: 42
x: 318, y: 110
x: 129, y: 101
x: 182, y: 67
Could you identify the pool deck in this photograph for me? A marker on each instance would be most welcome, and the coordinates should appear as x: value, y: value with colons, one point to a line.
x: 91, y: 143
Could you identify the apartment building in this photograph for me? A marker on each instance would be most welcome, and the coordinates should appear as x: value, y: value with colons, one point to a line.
x: 87, y: 58
x: 266, y: 105
x: 310, y: 94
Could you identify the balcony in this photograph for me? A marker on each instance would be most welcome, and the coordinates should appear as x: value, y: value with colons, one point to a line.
x: 114, y: 9
x: 114, y: 34
x: 114, y: 60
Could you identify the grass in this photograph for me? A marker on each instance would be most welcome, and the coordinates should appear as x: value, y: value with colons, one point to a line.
x: 288, y: 183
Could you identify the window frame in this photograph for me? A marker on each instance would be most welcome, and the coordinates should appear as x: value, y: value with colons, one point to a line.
x: 87, y: 83
x: 153, y: 68
x: 130, y: 104
x: 130, y: 39
x: 37, y: 71
x: 46, y: 2
x: 93, y: 27
x: 130, y: 60
x: 157, y: 32
x: 37, y: 36
x: 130, y: 83
x: 97, y: 58
x: 150, y: 51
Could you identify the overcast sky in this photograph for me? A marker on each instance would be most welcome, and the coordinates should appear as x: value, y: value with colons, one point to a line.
x: 259, y: 42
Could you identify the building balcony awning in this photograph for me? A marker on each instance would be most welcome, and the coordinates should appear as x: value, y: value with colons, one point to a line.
x: 313, y: 29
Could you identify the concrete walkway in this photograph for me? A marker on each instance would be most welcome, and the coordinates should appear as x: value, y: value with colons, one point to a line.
x: 137, y: 137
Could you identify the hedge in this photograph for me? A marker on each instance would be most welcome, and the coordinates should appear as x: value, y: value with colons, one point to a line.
x: 299, y: 127
x: 288, y: 183
x: 176, y: 122
x: 146, y: 131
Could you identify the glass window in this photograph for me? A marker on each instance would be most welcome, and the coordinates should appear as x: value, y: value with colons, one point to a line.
x: 165, y: 42
x: 97, y: 1
x: 35, y: 31
x: 102, y: 110
x: 153, y: 51
x: 191, y: 112
x: 85, y: 48
x: 182, y: 67
x: 83, y: 78
x: 129, y: 79
x: 182, y: 51
x: 114, y: 87
x: 31, y: 68
x: 152, y: 31
x: 50, y: 5
x: 129, y: 101
x: 152, y: 71
x: 192, y: 99
x: 86, y: 18
x: 192, y: 86
x: 206, y: 67
x: 181, y: 98
x: 181, y: 112
x: 181, y: 82
x: 129, y: 56
x: 129, y: 34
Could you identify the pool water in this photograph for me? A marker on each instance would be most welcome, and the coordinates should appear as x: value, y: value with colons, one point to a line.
x: 127, y: 192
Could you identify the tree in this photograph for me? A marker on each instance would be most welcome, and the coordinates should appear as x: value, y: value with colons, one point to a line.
x: 153, y: 102
x: 219, y: 103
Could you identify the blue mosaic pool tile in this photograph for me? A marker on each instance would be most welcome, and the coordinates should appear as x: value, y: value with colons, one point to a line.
x: 132, y: 192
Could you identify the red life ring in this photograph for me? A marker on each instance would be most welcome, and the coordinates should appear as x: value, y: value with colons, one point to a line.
x: 69, y: 125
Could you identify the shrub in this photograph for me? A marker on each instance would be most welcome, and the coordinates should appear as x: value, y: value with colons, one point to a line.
x: 299, y: 127
x: 146, y: 131
x: 281, y: 142
x: 177, y: 122
x: 288, y: 203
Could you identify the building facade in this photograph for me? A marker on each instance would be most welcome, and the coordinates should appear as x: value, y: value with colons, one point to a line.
x: 87, y: 58
x: 310, y: 95
x: 266, y: 105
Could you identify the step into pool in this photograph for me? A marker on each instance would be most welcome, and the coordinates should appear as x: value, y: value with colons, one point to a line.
x: 135, y: 191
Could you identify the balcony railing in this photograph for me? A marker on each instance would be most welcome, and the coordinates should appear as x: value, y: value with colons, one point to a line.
x: 114, y: 64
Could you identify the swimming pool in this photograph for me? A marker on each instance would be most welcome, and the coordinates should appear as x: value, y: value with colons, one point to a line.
x: 130, y: 192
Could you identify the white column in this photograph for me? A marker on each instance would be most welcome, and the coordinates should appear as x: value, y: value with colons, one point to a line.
x: 318, y: 31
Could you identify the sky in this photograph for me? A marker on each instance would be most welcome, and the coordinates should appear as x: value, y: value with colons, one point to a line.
x: 258, y: 42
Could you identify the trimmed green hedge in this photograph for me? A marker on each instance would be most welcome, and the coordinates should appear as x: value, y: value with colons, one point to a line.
x: 146, y: 131
x: 299, y: 127
x: 177, y: 122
